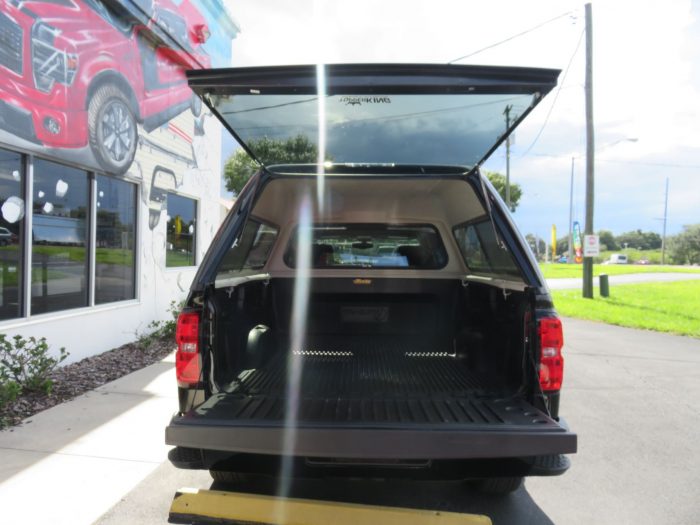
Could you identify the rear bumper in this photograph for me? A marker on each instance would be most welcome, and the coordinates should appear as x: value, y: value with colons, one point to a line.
x: 423, y: 470
x: 473, y: 442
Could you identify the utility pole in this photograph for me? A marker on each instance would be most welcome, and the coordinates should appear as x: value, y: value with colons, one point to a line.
x: 570, y: 257
x: 663, y: 238
x: 506, y: 112
x: 590, y: 151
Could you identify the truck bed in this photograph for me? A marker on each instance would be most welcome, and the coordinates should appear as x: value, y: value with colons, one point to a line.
x: 353, y: 400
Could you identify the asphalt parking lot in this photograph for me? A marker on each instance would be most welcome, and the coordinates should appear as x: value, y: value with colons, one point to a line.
x: 632, y: 396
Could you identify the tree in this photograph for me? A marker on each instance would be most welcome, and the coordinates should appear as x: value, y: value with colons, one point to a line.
x: 684, y: 248
x: 240, y: 166
x: 640, y: 240
x: 537, y: 245
x: 607, y: 240
x: 499, y: 182
x: 563, y: 245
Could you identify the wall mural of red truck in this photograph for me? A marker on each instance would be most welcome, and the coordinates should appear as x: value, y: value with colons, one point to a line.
x: 85, y: 73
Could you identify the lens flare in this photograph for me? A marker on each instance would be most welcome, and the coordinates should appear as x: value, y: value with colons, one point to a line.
x: 298, y: 334
x: 321, y: 161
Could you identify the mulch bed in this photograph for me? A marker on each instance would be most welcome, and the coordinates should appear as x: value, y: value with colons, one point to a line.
x: 75, y: 379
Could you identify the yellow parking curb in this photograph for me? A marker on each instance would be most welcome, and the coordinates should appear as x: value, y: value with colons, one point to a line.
x: 214, y: 506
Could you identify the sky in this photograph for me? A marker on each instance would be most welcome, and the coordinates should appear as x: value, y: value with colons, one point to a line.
x: 646, y: 97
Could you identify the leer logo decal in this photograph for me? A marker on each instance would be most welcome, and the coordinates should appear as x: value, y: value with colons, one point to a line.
x: 358, y: 101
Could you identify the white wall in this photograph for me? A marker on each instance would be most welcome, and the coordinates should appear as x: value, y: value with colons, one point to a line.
x: 89, y: 331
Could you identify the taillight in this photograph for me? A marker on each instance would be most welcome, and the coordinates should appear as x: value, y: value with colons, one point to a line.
x: 187, y: 366
x: 551, y: 360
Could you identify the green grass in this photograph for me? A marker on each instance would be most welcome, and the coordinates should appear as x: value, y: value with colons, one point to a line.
x: 664, y: 307
x: 555, y: 270
x: 173, y: 259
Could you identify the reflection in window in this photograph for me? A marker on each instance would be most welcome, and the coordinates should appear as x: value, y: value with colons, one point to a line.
x: 371, y: 246
x: 11, y: 222
x: 59, y: 238
x: 116, y: 234
x: 181, y: 231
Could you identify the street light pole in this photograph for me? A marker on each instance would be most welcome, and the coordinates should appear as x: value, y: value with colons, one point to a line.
x: 570, y: 257
x: 663, y: 239
x: 506, y: 112
x: 590, y: 151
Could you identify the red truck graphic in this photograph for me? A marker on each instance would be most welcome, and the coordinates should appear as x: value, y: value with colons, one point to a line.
x: 84, y: 72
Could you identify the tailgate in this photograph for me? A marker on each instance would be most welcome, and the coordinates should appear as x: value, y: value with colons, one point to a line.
x: 438, y: 427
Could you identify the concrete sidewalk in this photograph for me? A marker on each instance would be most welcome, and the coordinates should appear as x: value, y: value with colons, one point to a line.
x: 72, y: 462
x: 568, y: 283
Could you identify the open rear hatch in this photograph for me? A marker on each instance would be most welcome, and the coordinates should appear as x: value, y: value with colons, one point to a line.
x: 400, y: 114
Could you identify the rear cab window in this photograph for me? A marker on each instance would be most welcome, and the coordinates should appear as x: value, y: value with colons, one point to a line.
x: 369, y: 246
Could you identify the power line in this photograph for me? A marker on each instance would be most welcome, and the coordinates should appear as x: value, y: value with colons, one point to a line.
x: 556, y: 96
x: 656, y: 164
x: 621, y: 161
x: 512, y: 37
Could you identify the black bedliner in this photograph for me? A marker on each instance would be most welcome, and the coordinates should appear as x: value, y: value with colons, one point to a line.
x: 357, y: 401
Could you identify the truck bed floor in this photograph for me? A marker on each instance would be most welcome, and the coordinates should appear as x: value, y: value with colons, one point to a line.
x: 384, y: 383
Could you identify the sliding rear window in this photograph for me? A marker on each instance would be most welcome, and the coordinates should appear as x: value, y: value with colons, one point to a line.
x: 368, y: 246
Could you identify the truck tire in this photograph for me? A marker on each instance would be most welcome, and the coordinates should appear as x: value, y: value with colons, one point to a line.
x: 112, y: 129
x: 196, y: 105
x: 223, y: 476
x: 499, y: 485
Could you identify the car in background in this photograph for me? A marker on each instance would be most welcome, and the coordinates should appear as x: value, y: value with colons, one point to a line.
x: 617, y: 258
x: 7, y: 237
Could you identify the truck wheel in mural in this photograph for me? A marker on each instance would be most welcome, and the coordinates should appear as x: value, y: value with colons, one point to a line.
x: 112, y: 128
x: 196, y: 105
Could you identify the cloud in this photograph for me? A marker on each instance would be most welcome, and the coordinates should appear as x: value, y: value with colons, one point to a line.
x: 646, y: 86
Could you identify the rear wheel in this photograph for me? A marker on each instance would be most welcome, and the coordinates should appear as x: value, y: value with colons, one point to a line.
x: 499, y: 485
x: 223, y: 476
x: 112, y: 129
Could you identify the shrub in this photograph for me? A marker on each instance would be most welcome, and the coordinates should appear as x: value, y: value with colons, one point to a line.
x: 161, y: 329
x: 27, y: 363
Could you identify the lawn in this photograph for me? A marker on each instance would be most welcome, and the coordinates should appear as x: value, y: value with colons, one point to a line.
x: 173, y: 258
x: 665, y: 307
x: 555, y: 271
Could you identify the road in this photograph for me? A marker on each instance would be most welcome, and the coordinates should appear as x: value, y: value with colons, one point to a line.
x: 631, y: 278
x: 632, y: 396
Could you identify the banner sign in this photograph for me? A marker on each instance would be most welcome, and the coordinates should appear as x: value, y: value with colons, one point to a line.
x: 578, y: 248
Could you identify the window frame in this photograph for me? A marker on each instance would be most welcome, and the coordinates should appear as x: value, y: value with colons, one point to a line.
x: 243, y: 272
x: 26, y: 259
x: 22, y: 257
x: 93, y: 238
x: 196, y: 232
x: 475, y: 222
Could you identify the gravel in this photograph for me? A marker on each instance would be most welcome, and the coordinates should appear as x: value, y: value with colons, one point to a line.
x: 75, y: 379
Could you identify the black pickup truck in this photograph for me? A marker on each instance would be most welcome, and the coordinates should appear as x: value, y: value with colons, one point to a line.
x: 374, y: 313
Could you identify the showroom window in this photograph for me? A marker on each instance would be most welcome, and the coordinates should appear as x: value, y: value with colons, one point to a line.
x: 59, y: 237
x: 11, y: 233
x: 181, y: 239
x: 115, y: 254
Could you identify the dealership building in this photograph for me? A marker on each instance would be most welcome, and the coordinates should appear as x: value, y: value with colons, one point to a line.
x: 110, y: 168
